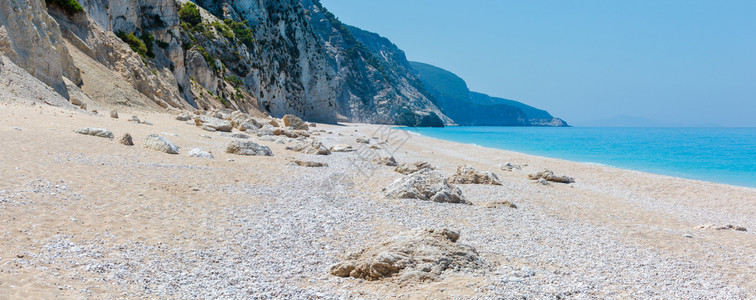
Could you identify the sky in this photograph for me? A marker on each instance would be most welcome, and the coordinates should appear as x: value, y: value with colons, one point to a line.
x: 678, y: 62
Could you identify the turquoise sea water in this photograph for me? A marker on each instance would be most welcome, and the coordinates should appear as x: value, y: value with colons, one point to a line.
x: 723, y: 155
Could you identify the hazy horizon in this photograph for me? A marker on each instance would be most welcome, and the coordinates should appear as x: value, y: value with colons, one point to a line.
x: 677, y: 62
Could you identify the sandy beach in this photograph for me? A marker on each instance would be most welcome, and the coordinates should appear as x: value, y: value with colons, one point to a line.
x: 84, y: 216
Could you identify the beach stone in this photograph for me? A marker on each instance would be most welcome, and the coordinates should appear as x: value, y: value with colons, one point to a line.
x: 98, y: 132
x: 294, y: 122
x: 386, y: 161
x: 265, y: 130
x: 310, y: 164
x: 409, y: 168
x: 248, y: 148
x: 114, y: 114
x: 247, y: 126
x: 414, y: 256
x: 501, y: 203
x: 126, y: 140
x: 158, y: 143
x: 145, y: 122
x: 723, y: 227
x: 508, y: 166
x: 341, y: 148
x: 469, y: 175
x: 239, y: 136
x: 184, y: 117
x: 134, y: 119
x: 549, y: 176
x: 427, y: 185
x: 363, y: 141
x: 83, y: 106
x: 313, y: 125
x: 542, y: 181
x: 291, y: 133
x: 274, y: 123
x: 214, y: 123
x: 311, y: 146
x: 199, y: 153
x: 238, y: 119
x: 76, y: 101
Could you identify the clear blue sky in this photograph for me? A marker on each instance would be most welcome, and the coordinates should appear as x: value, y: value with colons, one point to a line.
x: 677, y: 61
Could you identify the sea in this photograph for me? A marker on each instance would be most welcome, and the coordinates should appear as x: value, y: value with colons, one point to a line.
x: 721, y: 155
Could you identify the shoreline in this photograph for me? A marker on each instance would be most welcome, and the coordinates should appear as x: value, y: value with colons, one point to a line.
x: 87, y: 216
x: 640, y: 169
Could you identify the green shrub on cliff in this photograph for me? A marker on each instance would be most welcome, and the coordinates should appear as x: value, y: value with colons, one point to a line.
x: 148, y: 40
x: 70, y: 6
x: 241, y: 31
x: 134, y: 42
x: 190, y: 14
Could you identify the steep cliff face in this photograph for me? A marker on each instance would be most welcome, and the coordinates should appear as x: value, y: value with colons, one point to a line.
x: 86, y: 34
x: 304, y: 61
x: 32, y: 40
x: 276, y: 56
x: 376, y: 85
x: 476, y: 109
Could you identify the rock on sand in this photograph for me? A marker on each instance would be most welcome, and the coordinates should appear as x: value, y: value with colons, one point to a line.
x: 469, y: 175
x: 98, y: 132
x: 386, y: 161
x: 158, y: 143
x: 126, y: 140
x: 425, y: 185
x: 409, y: 168
x: 415, y: 256
x: 549, y: 176
x: 294, y: 122
x: 199, y: 153
x: 248, y: 148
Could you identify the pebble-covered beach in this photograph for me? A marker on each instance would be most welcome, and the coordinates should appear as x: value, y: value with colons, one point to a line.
x: 85, y: 216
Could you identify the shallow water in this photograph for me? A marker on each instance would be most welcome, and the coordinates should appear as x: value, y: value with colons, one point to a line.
x: 723, y: 155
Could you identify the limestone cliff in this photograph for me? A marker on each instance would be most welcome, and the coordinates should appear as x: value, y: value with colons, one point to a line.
x: 272, y: 56
x: 32, y: 40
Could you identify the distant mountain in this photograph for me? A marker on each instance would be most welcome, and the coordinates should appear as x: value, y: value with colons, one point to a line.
x: 467, y: 108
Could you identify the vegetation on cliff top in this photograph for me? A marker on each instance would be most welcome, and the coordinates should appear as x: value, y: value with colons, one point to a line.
x: 70, y: 6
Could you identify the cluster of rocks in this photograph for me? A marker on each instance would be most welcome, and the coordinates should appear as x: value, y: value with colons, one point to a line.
x: 427, y: 185
x: 550, y: 176
x: 311, y: 146
x: 409, y: 168
x: 469, y: 175
x: 419, y: 255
